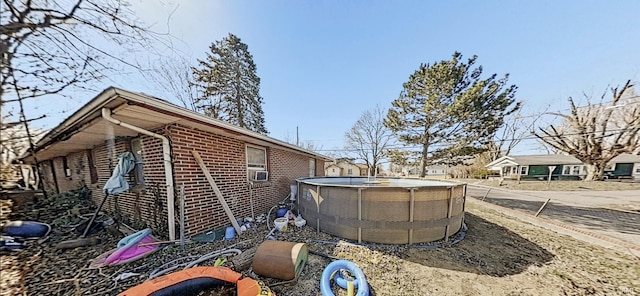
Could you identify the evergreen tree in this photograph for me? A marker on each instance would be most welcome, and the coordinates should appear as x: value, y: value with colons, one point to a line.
x: 229, y: 85
x: 449, y: 111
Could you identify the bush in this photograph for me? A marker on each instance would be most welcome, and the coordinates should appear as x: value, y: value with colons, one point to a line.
x: 481, y: 174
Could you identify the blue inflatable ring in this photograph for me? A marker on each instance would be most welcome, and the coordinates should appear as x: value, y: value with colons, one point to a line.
x: 327, y: 274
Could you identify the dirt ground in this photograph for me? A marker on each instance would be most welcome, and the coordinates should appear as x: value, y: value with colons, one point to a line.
x: 499, y: 255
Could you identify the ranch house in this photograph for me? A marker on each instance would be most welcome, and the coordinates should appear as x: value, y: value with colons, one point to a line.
x: 252, y: 171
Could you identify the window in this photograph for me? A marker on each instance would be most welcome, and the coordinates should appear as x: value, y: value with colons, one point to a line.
x: 572, y: 170
x: 312, y: 167
x: 349, y: 172
x: 333, y: 170
x: 524, y: 170
x: 610, y: 166
x: 577, y: 169
x: 138, y: 170
x: 256, y: 161
x: 93, y: 172
x: 510, y: 170
x: 65, y: 167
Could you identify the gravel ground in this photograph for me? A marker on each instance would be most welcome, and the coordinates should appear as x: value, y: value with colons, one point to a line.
x: 499, y: 256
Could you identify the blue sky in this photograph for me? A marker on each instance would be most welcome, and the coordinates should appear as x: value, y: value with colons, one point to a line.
x: 323, y: 63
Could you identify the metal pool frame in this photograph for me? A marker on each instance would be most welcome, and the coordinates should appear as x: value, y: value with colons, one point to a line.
x: 382, y: 211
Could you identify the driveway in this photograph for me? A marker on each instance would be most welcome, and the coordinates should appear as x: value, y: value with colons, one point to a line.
x: 614, y: 214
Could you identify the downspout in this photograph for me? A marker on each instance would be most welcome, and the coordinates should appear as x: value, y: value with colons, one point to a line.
x: 166, y: 158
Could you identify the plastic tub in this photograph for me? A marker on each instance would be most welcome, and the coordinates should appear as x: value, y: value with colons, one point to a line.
x: 281, y: 224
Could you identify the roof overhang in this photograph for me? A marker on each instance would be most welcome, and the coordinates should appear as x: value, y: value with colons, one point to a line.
x: 86, y: 129
x: 502, y: 161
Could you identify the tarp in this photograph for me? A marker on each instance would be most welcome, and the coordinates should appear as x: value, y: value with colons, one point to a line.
x: 117, y: 183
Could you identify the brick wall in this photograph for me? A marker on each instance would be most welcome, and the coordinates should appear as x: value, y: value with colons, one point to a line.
x: 76, y: 176
x: 226, y: 160
x: 47, y: 178
x: 146, y: 206
x: 142, y: 205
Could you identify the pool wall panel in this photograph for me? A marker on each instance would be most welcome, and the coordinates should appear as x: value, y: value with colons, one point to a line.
x: 385, y: 211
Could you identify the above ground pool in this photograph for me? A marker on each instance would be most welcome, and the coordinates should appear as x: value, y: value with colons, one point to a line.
x: 387, y: 211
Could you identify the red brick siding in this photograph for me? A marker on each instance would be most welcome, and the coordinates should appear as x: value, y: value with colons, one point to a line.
x: 143, y: 206
x: 47, y: 179
x: 78, y: 167
x: 224, y: 156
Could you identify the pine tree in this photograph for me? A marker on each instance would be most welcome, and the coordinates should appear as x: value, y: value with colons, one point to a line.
x: 230, y: 86
x: 449, y: 111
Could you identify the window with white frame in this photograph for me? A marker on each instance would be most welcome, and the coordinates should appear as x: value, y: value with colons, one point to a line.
x: 524, y: 170
x: 349, y: 172
x: 256, y: 162
x: 572, y: 170
x: 312, y: 167
x: 576, y: 170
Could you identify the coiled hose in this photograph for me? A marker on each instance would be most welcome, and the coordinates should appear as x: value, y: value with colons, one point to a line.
x: 335, y: 266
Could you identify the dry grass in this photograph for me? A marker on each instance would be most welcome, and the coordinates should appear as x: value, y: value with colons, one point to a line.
x: 500, y: 255
x: 557, y: 185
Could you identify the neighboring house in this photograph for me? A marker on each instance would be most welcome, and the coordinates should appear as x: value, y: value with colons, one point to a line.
x: 349, y: 169
x: 364, y: 169
x: 410, y: 171
x: 252, y: 171
x: 623, y: 166
x: 435, y: 171
x: 332, y: 170
x: 537, y: 166
x: 564, y: 166
x: 414, y: 171
x: 344, y: 167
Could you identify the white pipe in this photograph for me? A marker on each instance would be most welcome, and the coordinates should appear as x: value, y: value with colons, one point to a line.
x: 166, y: 158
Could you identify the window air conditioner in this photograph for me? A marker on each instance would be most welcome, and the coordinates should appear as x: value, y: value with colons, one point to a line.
x: 261, y: 176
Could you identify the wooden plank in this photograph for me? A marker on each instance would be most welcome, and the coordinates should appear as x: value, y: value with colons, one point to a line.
x: 217, y: 191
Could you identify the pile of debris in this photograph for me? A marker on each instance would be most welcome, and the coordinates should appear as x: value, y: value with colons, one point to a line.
x: 41, y: 267
x: 291, y: 261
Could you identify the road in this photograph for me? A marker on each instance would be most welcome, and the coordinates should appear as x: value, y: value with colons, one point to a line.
x: 602, y: 212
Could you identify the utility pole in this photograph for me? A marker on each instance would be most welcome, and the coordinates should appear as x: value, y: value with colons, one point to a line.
x: 297, y: 137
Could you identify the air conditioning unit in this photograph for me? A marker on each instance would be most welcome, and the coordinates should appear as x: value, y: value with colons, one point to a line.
x: 261, y: 176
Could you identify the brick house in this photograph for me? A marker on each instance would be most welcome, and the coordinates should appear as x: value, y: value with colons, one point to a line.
x: 253, y: 171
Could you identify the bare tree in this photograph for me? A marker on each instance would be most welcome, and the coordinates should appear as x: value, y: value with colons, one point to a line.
x: 47, y: 47
x: 517, y: 127
x: 597, y: 133
x: 174, y: 76
x: 369, y: 138
x: 14, y: 142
